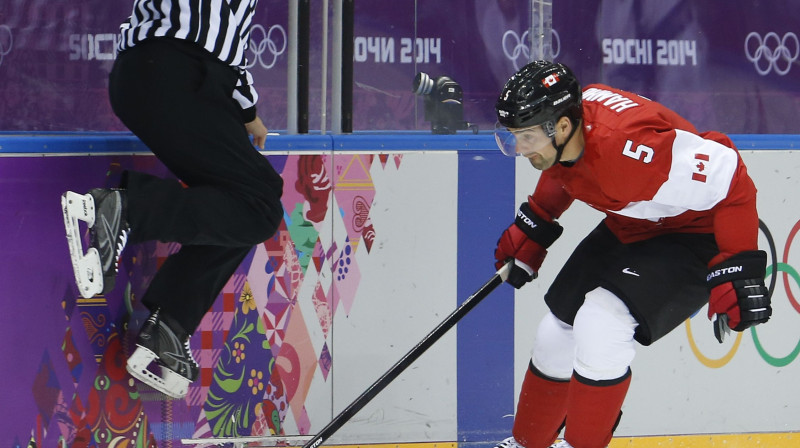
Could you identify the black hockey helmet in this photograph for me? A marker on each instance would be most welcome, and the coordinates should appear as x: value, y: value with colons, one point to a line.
x: 538, y: 94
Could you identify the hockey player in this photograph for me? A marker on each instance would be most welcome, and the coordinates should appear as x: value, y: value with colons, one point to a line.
x: 180, y: 84
x: 680, y: 226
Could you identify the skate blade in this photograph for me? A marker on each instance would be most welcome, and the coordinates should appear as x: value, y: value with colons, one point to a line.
x: 170, y: 384
x: 86, y: 267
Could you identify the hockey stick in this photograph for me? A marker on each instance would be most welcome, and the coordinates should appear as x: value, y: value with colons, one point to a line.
x: 409, y: 357
x: 244, y: 441
x: 313, y: 442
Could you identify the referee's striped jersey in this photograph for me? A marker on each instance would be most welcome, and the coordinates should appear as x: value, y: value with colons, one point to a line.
x: 222, y: 27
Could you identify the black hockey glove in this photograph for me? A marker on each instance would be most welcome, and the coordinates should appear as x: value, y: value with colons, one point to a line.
x: 739, y: 298
x: 525, y: 241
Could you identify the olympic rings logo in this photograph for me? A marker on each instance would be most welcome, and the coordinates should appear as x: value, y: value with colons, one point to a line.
x: 772, y: 271
x: 269, y: 45
x: 773, y: 51
x: 515, y: 46
x: 6, y: 42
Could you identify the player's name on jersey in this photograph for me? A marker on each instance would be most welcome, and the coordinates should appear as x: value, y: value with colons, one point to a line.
x: 612, y: 100
x: 649, y: 52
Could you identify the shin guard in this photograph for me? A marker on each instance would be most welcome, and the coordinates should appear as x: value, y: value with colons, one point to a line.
x: 541, y: 409
x: 593, y: 410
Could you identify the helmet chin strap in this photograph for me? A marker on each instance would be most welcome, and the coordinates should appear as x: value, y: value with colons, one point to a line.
x: 560, y: 148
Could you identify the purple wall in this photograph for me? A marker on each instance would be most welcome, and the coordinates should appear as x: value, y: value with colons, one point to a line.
x: 736, y: 74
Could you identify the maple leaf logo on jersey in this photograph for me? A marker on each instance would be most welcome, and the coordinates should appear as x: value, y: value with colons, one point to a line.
x: 700, y: 167
x: 550, y: 81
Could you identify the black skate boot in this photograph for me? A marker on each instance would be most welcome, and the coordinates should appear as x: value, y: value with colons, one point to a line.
x: 104, y: 212
x: 164, y: 341
x: 110, y: 231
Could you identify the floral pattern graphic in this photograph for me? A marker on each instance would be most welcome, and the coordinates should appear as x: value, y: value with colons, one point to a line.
x: 243, y: 367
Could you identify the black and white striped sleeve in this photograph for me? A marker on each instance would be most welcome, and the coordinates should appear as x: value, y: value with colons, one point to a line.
x: 221, y: 27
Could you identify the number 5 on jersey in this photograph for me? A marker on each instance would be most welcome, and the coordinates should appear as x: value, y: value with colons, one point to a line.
x: 640, y: 151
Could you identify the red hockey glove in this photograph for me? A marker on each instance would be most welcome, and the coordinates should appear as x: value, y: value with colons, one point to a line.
x: 526, y: 241
x: 739, y: 298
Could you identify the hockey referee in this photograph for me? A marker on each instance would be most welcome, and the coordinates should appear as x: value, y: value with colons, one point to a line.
x: 180, y: 84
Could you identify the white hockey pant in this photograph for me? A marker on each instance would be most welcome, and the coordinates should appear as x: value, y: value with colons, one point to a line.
x: 599, y: 346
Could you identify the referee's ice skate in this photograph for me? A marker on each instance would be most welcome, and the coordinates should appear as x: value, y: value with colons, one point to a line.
x: 163, y: 359
x: 103, y: 210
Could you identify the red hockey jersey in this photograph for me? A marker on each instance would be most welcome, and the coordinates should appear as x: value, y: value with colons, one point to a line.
x: 651, y: 173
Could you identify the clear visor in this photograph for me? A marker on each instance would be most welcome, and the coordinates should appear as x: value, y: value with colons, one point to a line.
x: 523, y: 141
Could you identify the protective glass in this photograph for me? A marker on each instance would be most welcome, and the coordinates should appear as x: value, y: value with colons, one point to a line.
x: 523, y: 141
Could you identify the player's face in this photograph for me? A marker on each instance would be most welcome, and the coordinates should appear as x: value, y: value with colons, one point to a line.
x: 532, y: 143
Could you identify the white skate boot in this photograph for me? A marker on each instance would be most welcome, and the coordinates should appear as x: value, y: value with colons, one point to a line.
x: 561, y: 444
x: 164, y: 341
x: 103, y: 211
x: 511, y: 442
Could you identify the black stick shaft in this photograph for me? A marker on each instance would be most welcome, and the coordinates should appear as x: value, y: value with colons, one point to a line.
x: 404, y: 362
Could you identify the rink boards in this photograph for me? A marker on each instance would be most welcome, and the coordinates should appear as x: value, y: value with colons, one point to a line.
x: 364, y: 265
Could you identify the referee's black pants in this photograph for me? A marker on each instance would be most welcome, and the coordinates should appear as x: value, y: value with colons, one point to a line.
x: 178, y: 101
